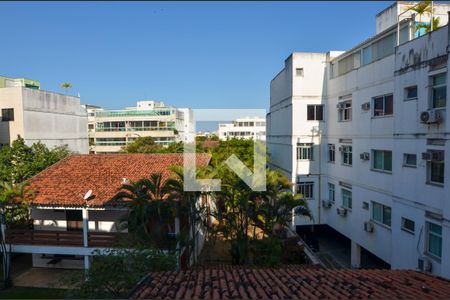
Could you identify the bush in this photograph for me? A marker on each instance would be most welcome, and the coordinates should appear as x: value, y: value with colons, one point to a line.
x: 266, y: 252
x: 293, y: 253
x: 115, y: 273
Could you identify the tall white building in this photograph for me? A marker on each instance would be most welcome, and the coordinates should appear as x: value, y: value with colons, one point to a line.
x: 111, y: 130
x: 364, y: 134
x: 244, y: 128
x: 41, y: 116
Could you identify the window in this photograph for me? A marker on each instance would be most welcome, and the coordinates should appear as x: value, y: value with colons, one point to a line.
x: 315, y: 112
x: 382, y: 160
x: 439, y: 90
x: 383, y: 106
x: 411, y: 93
x: 346, y: 155
x: 381, y: 213
x: 408, y: 225
x: 331, y: 153
x: 7, y: 114
x: 331, y: 192
x: 345, y: 110
x: 434, y: 239
x: 299, y: 72
x: 436, y: 167
x: 305, y: 151
x: 346, y: 64
x: 306, y: 189
x: 379, y: 49
x: 347, y: 198
x: 90, y: 126
x: 409, y: 160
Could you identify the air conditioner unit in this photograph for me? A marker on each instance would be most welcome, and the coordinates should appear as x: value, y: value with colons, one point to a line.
x: 368, y: 226
x: 365, y: 156
x: 426, y: 156
x: 327, y: 203
x: 425, y: 264
x: 341, y: 211
x: 340, y: 105
x: 431, y: 116
x: 365, y: 106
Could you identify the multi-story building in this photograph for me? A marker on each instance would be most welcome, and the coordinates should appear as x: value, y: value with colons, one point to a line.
x: 111, y: 130
x: 244, y: 128
x: 36, y: 115
x: 364, y: 134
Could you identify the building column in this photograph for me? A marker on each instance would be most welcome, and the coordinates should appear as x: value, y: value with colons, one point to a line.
x: 355, y: 256
x: 85, y: 214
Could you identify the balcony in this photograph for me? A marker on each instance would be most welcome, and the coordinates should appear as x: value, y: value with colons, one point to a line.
x: 63, y: 238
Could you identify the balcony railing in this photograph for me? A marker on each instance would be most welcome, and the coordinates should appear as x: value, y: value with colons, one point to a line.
x: 63, y: 238
x: 134, y: 129
x: 133, y: 113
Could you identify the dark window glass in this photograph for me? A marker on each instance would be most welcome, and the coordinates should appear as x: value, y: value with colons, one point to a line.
x: 7, y: 114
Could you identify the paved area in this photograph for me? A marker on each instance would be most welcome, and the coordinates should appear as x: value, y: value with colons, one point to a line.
x: 44, y: 278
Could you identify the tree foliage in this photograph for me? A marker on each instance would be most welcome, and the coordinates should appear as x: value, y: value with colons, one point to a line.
x: 114, y: 274
x: 19, y: 162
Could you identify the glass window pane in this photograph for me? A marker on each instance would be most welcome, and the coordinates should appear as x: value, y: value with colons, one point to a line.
x: 310, y: 112
x: 378, y: 106
x: 377, y: 160
x: 387, y: 215
x: 319, y: 112
x: 437, y: 172
x: 388, y: 160
x: 389, y: 105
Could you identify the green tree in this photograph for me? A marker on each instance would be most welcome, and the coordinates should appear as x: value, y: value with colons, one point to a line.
x: 152, y: 211
x: 143, y: 145
x: 66, y: 86
x: 114, y: 274
x: 427, y: 26
x: 19, y: 162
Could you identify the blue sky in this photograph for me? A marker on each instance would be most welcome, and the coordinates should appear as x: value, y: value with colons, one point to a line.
x: 187, y: 54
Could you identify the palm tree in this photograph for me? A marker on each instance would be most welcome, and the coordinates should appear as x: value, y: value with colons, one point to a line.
x: 427, y: 26
x: 421, y: 8
x: 152, y: 210
x: 66, y: 86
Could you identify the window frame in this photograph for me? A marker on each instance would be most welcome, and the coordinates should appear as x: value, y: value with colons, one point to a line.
x: 331, y: 191
x: 433, y: 87
x: 402, y: 225
x: 405, y: 164
x: 383, y: 169
x: 429, y: 170
x: 306, y: 185
x: 332, y: 153
x: 299, y: 72
x: 7, y: 114
x: 349, y: 155
x: 383, y: 220
x: 345, y: 111
x: 427, y: 243
x: 383, y: 113
x: 349, y: 204
x: 406, y: 90
x: 309, y: 148
x: 315, y: 112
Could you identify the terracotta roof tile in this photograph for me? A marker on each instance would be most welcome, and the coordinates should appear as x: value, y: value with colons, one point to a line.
x: 292, y: 282
x: 66, y: 182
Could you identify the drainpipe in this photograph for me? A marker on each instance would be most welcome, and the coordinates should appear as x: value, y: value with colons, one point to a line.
x: 431, y: 20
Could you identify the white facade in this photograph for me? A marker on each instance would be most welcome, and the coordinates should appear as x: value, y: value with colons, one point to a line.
x: 111, y: 130
x: 388, y: 167
x: 244, y: 128
x: 51, y: 118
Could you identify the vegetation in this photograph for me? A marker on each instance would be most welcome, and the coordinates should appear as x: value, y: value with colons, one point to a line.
x: 148, y: 145
x: 66, y: 86
x: 114, y: 274
x: 32, y: 293
x: 19, y: 162
x: 421, y: 9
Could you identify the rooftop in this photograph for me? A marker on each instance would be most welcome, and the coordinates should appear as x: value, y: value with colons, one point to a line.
x: 66, y: 182
x: 291, y: 282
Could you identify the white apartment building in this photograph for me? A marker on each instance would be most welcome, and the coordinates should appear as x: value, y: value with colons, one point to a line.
x: 244, y: 128
x: 111, y: 130
x: 364, y: 134
x: 41, y: 116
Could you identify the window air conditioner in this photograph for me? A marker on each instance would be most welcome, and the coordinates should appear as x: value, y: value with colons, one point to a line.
x: 365, y: 106
x: 431, y: 116
x: 365, y: 156
x: 368, y: 226
x: 326, y: 203
x: 341, y: 211
x: 425, y: 264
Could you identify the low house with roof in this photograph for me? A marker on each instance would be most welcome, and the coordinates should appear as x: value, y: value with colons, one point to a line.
x: 74, y: 211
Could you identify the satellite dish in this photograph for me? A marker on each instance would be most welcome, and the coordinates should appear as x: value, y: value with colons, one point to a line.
x: 87, y: 195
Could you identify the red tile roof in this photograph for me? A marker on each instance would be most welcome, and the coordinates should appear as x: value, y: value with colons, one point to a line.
x: 66, y: 182
x: 292, y: 282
